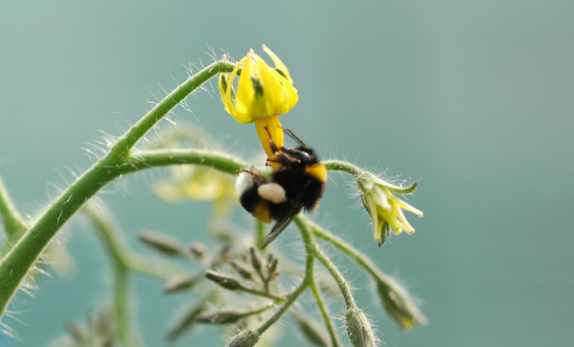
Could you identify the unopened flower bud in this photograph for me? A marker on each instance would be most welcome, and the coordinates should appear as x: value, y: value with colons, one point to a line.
x: 241, y: 270
x: 180, y: 283
x: 310, y: 331
x: 223, y: 317
x: 185, y: 322
x: 398, y: 303
x: 162, y: 243
x: 359, y: 328
x: 246, y: 338
x: 223, y: 280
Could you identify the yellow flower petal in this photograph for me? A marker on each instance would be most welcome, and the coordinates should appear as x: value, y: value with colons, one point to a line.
x: 274, y: 128
x: 260, y: 92
x: 278, y: 63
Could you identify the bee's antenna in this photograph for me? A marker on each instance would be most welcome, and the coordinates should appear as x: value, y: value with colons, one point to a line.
x: 294, y: 137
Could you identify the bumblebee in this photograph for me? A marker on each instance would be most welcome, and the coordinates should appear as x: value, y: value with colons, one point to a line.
x: 297, y: 182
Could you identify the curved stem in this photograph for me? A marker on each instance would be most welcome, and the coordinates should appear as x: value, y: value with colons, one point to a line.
x: 349, y: 250
x: 21, y: 257
x: 138, y: 130
x: 140, y: 160
x: 307, y: 279
x: 304, y: 226
x: 337, y: 276
x: 340, y: 165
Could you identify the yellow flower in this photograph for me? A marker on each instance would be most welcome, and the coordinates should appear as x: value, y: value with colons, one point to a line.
x: 385, y: 208
x: 199, y: 183
x: 256, y: 92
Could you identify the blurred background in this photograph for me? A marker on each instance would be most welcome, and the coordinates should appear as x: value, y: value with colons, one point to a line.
x: 472, y: 99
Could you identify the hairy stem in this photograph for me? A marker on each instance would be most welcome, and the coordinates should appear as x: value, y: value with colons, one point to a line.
x: 357, y: 172
x: 14, y: 224
x: 325, y: 314
x: 140, y: 160
x: 307, y: 279
x: 21, y: 257
x: 306, y: 230
x: 349, y: 250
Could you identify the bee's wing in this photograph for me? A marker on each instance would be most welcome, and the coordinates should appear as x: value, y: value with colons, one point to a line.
x: 277, y: 229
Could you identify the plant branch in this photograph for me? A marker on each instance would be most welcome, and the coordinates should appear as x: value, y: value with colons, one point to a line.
x: 352, y: 169
x: 308, y: 277
x: 119, y: 258
x: 21, y: 257
x: 325, y: 314
x: 14, y: 224
x: 140, y: 160
x: 307, y: 231
x: 360, y: 258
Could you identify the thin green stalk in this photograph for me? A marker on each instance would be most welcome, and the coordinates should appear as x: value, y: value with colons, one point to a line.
x: 304, y: 227
x: 262, y: 294
x: 107, y: 233
x: 136, y: 132
x: 309, y: 273
x: 290, y: 300
x: 325, y: 314
x: 336, y: 274
x: 126, y: 335
x: 21, y: 257
x: 340, y: 165
x: 349, y: 250
x: 140, y: 160
x: 14, y: 224
x: 310, y: 246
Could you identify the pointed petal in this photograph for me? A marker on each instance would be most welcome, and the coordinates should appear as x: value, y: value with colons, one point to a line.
x: 278, y: 63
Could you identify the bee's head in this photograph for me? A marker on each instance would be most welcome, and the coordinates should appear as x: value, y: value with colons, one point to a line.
x: 300, y: 156
x: 305, y: 155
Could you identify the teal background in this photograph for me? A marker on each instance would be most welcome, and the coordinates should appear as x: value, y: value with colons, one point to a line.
x: 473, y: 99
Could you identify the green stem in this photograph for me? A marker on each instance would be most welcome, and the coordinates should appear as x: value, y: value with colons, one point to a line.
x: 125, y: 333
x: 349, y: 250
x: 305, y: 228
x: 21, y: 257
x: 119, y: 259
x: 325, y: 314
x: 307, y: 279
x: 262, y: 294
x: 290, y: 300
x: 138, y: 130
x: 140, y: 160
x: 14, y: 224
x: 340, y: 165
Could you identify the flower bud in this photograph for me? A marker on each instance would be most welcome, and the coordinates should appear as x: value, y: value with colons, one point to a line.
x: 398, y: 303
x: 241, y: 270
x: 162, y: 243
x: 223, y: 317
x: 246, y: 338
x: 310, y: 330
x: 180, y: 283
x: 185, y: 322
x: 359, y: 328
x: 223, y: 280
